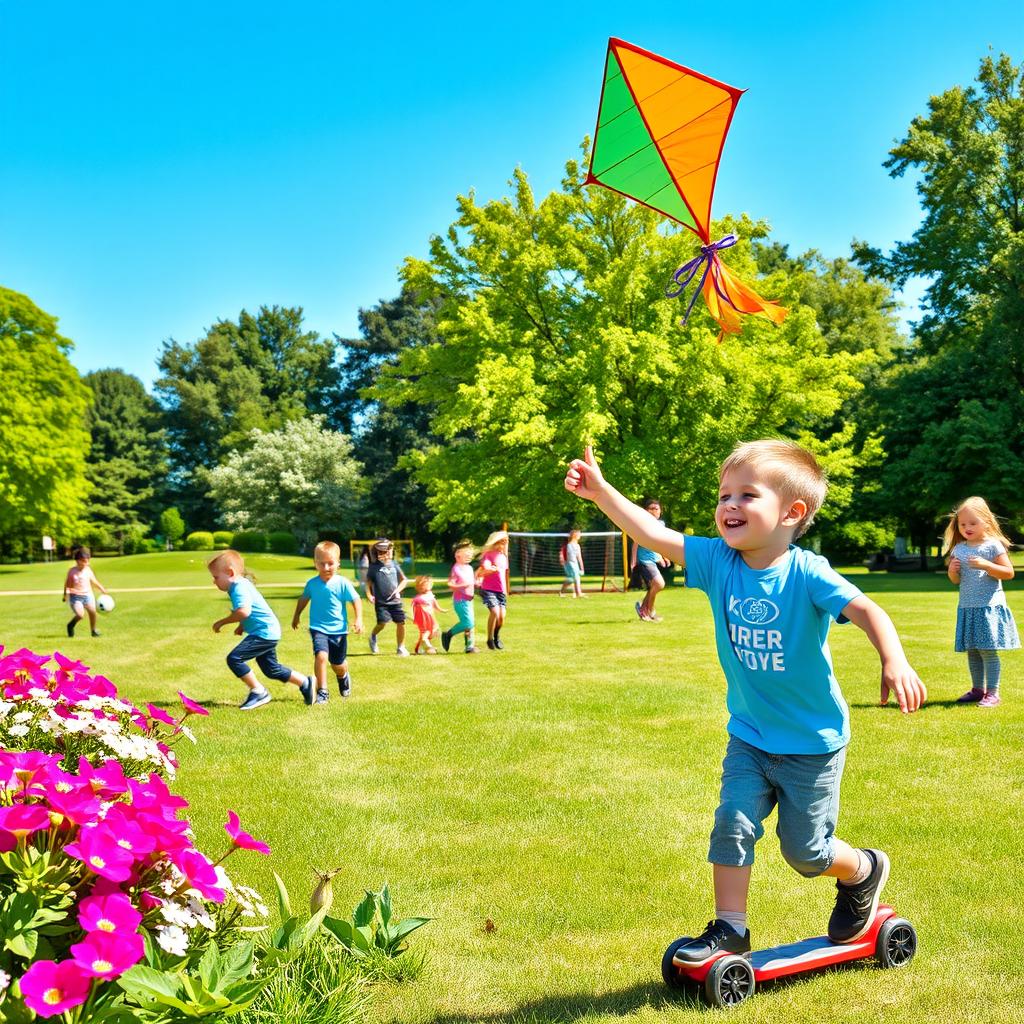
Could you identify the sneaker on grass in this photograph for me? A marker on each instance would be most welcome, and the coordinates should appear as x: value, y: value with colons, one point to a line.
x: 446, y: 640
x: 990, y: 700
x: 322, y: 696
x: 472, y: 650
x: 856, y: 905
x: 345, y: 684
x: 307, y: 688
x: 373, y: 645
x: 256, y: 699
x: 717, y: 937
x: 972, y: 696
x: 402, y: 652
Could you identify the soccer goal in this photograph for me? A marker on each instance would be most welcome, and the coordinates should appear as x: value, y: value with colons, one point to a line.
x: 535, y: 561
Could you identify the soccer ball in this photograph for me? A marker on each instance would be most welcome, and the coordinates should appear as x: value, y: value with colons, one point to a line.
x: 105, y: 603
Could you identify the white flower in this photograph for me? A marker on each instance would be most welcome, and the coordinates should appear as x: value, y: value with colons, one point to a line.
x: 18, y: 730
x: 173, y: 913
x: 5, y: 707
x: 22, y: 716
x: 187, y: 732
x: 172, y: 940
x: 45, y: 725
x: 5, y: 980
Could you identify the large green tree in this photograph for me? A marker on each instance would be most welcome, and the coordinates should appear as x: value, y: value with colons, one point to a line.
x: 953, y: 413
x: 127, y: 456
x: 259, y: 373
x: 301, y: 478
x: 43, y: 437
x: 556, y: 332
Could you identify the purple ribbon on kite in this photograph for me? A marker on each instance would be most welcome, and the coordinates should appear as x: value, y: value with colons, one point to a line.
x: 688, y: 271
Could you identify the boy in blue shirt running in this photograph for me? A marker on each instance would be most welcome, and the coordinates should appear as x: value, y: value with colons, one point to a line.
x: 773, y: 603
x: 329, y: 595
x: 262, y: 632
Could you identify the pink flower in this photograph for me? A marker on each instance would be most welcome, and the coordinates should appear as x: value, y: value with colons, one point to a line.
x: 130, y: 831
x: 50, y: 988
x: 19, y: 768
x: 159, y: 715
x: 107, y: 956
x: 191, y: 706
x: 23, y: 819
x: 78, y: 805
x: 201, y: 874
x: 98, y: 849
x: 154, y: 796
x: 111, y: 913
x: 241, y: 839
x: 107, y: 781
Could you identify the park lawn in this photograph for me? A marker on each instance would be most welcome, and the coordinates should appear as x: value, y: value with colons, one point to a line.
x: 564, y: 789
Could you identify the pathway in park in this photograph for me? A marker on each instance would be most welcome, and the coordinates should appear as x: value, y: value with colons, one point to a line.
x: 135, y: 590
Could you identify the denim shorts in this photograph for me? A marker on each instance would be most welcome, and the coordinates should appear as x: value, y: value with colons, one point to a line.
x: 806, y: 789
x: 493, y: 599
x: 334, y: 645
x: 84, y: 599
x: 390, y: 613
x: 650, y: 572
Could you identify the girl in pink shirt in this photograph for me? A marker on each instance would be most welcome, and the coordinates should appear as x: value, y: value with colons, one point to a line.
x: 424, y: 605
x: 493, y: 577
x: 463, y: 582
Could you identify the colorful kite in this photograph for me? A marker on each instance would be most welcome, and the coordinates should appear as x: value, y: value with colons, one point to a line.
x: 660, y: 132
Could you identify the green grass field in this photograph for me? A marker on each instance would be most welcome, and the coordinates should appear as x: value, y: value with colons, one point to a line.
x: 564, y: 790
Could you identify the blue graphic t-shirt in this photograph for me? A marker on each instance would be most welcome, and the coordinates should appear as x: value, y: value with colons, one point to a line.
x: 261, y: 622
x: 328, y: 603
x: 771, y: 628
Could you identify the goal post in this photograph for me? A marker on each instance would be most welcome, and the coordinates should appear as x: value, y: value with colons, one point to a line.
x: 535, y: 561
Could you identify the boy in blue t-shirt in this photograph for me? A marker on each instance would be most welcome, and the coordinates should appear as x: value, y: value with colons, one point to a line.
x: 261, y: 628
x: 788, y: 723
x: 329, y: 595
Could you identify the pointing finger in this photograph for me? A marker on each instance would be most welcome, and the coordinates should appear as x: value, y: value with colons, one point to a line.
x: 588, y: 455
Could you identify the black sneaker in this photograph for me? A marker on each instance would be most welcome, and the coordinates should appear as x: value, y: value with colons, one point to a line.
x: 498, y: 645
x: 856, y: 905
x: 322, y: 696
x: 490, y: 645
x: 256, y: 699
x: 95, y: 632
x: 344, y: 685
x: 446, y: 640
x: 71, y: 627
x: 718, y: 937
x: 306, y: 689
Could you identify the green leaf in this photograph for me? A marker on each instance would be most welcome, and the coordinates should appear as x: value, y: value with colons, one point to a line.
x: 364, y: 913
x: 283, y: 902
x: 147, y: 983
x: 209, y: 967
x: 385, y: 905
x: 236, y: 964
x: 406, y: 927
x: 23, y: 944
x: 312, y: 926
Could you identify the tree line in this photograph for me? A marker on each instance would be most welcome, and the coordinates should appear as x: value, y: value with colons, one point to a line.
x: 536, y: 326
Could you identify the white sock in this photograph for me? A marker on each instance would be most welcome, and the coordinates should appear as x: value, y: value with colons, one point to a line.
x: 733, y: 918
x: 864, y: 866
x: 260, y: 689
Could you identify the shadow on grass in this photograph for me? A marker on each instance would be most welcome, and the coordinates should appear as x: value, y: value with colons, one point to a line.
x: 565, y: 1009
x: 891, y: 706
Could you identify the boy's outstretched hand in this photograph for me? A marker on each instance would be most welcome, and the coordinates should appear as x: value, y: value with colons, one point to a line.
x: 900, y: 679
x: 584, y: 477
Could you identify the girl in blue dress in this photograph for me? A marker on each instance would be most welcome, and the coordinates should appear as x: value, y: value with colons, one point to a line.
x: 978, y: 564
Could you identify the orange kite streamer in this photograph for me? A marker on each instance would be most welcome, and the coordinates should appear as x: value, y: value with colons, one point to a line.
x: 660, y: 132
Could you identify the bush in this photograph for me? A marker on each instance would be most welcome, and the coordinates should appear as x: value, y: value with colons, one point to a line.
x: 201, y: 540
x: 223, y: 539
x: 251, y: 541
x: 283, y: 542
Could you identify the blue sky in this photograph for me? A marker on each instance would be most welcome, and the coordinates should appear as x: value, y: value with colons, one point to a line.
x: 167, y: 165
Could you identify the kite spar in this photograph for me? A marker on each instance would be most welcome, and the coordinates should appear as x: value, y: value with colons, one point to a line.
x: 659, y: 137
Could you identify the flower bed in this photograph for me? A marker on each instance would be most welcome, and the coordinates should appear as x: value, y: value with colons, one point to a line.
x: 108, y: 911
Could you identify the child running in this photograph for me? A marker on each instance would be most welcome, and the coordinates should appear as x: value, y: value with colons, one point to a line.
x: 650, y: 564
x: 424, y: 605
x: 262, y: 632
x: 329, y: 594
x: 573, y: 564
x: 978, y: 564
x: 78, y: 586
x: 789, y: 726
x: 384, y: 584
x: 462, y: 581
x: 493, y: 576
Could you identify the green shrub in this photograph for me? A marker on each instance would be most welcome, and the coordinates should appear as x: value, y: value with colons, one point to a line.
x: 201, y: 540
x: 250, y: 540
x: 223, y: 539
x: 282, y: 542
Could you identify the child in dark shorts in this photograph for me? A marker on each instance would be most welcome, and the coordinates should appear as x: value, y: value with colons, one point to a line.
x: 329, y: 594
x: 384, y: 584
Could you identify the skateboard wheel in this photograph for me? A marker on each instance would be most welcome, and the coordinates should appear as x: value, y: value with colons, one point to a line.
x: 669, y: 972
x: 896, y: 943
x: 730, y: 981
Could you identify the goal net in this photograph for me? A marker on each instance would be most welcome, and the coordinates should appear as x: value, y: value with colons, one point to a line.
x: 535, y: 561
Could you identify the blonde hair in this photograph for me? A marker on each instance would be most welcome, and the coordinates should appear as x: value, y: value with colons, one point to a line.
x: 228, y: 559
x: 495, y: 539
x: 421, y: 584
x: 979, y: 506
x: 327, y: 547
x: 574, y: 534
x: 791, y: 471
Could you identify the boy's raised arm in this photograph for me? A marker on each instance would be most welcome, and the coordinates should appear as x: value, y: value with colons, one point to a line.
x: 585, y: 480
